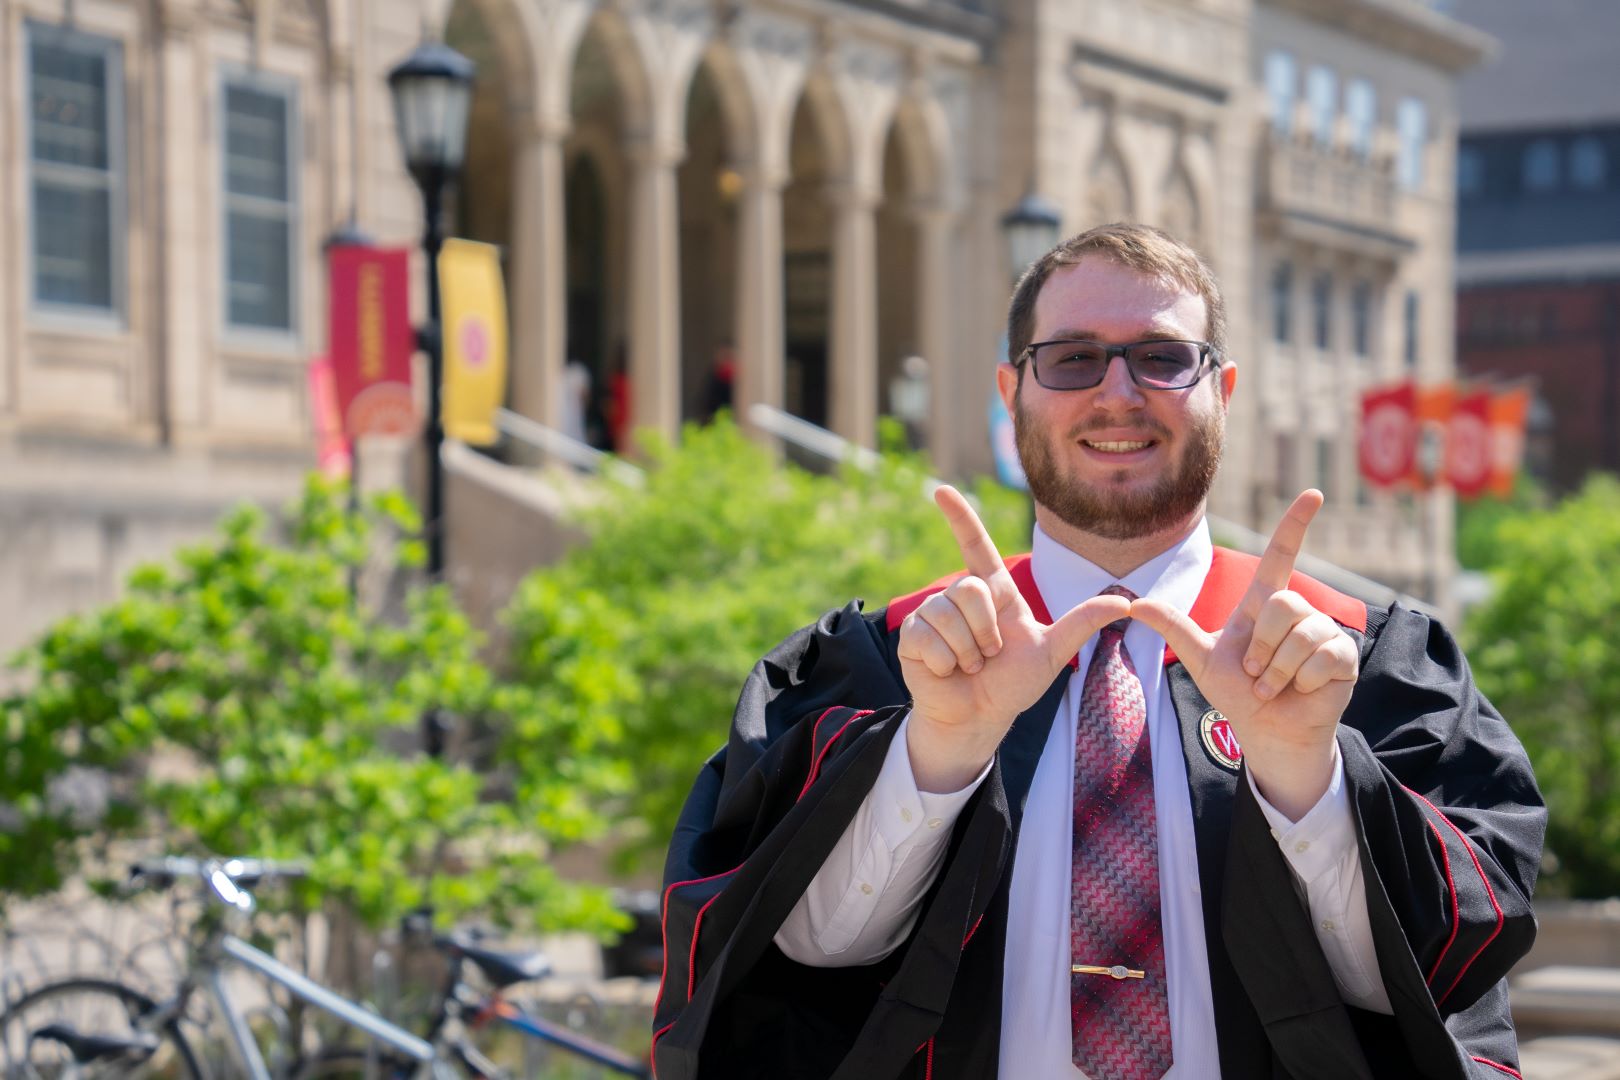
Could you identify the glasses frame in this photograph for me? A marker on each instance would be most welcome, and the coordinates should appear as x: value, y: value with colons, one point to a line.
x: 1209, y: 359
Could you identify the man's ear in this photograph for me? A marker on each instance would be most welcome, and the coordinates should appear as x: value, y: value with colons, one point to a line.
x: 1228, y: 375
x: 1007, y: 383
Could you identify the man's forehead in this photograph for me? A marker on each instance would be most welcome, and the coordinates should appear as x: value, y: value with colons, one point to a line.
x: 1097, y: 293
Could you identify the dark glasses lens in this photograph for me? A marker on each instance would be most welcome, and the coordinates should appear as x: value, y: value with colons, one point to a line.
x: 1079, y: 365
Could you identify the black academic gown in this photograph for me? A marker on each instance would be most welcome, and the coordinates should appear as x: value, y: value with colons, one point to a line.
x: 1448, y: 818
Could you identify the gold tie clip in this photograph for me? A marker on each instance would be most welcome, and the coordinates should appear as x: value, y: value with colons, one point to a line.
x: 1118, y: 971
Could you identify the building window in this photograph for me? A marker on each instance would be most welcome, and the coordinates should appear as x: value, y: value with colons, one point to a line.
x: 1322, y: 310
x: 1322, y: 91
x: 1361, y: 319
x: 1285, y: 465
x: 1588, y: 165
x: 1361, y: 110
x: 75, y: 169
x: 1280, y: 81
x: 1541, y: 165
x: 1409, y: 333
x: 1282, y: 289
x: 1470, y: 172
x: 1411, y: 130
x: 260, y: 203
x: 1324, y: 465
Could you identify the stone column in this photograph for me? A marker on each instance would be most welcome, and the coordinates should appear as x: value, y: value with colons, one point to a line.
x: 655, y: 315
x: 185, y: 319
x: 539, y: 300
x: 854, y: 391
x: 760, y: 331
x: 938, y: 336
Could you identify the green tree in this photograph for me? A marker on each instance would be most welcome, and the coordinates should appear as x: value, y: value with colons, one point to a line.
x: 1543, y: 648
x: 238, y: 701
x: 690, y: 577
x: 1477, y: 521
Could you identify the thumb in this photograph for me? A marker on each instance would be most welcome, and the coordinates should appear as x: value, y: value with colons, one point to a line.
x: 1191, y: 643
x: 1064, y: 638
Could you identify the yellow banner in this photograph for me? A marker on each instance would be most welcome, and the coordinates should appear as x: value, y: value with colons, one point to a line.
x: 473, y: 299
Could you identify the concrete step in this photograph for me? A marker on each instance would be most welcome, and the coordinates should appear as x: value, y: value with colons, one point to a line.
x: 1567, y: 999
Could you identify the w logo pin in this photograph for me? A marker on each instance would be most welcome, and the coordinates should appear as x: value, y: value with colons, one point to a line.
x: 1220, y: 743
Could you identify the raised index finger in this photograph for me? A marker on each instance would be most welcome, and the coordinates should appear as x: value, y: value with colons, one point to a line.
x: 979, y: 553
x: 1277, y: 563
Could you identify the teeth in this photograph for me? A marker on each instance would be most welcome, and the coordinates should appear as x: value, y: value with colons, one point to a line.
x: 1117, y: 447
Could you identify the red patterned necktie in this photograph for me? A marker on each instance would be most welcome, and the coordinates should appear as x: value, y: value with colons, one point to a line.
x: 1121, y: 1023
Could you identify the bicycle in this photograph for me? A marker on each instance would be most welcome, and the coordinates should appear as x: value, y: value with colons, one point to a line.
x: 118, y: 1030
x: 475, y: 1010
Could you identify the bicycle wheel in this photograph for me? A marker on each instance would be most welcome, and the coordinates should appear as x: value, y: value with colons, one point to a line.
x: 91, y: 1008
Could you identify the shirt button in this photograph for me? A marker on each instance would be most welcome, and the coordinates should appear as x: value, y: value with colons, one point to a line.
x: 1303, y: 846
x: 866, y: 888
x: 905, y: 814
x: 934, y: 823
x: 1329, y: 925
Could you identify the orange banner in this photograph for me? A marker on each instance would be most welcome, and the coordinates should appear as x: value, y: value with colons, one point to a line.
x: 1433, y: 411
x: 1509, y: 411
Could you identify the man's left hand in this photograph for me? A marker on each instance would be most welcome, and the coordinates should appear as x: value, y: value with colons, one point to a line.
x: 1279, y: 670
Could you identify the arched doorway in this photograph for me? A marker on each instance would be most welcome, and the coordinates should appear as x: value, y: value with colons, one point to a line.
x: 596, y: 210
x: 482, y: 206
x: 898, y: 306
x: 708, y: 191
x: 807, y: 222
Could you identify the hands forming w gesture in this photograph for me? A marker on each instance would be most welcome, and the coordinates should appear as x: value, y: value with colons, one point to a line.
x: 974, y: 656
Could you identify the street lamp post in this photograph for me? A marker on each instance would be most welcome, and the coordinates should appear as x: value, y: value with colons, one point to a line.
x: 432, y: 91
x: 1030, y: 230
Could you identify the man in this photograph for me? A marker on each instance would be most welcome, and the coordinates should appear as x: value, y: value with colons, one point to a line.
x: 1216, y: 820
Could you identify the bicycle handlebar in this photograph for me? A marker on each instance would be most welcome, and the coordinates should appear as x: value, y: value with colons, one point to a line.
x: 222, y: 875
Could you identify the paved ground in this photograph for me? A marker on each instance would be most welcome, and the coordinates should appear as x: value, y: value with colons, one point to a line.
x: 1570, y: 1057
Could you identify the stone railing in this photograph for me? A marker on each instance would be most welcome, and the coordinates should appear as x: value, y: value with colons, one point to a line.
x: 1332, y: 185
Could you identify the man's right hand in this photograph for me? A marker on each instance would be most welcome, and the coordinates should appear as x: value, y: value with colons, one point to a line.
x: 974, y: 656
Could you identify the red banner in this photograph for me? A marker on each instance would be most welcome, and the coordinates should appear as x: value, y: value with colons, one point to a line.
x: 1433, y: 412
x: 1468, y: 444
x: 1388, y: 451
x: 1509, y: 411
x: 370, y: 339
x: 331, y: 448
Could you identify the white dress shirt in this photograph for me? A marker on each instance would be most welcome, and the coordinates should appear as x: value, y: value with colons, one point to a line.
x: 864, y: 901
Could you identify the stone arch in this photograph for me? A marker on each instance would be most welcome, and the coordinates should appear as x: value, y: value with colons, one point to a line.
x: 512, y: 43
x: 608, y: 109
x: 606, y: 49
x: 819, y: 159
x: 738, y: 110
x: 912, y: 185
x: 1180, y: 213
x: 1108, y: 194
x: 709, y: 189
x: 924, y: 139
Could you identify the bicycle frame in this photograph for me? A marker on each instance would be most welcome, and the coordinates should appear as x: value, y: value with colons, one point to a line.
x: 543, y: 1029
x: 210, y: 974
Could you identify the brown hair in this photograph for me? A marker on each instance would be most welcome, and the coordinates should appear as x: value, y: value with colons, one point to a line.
x: 1140, y: 247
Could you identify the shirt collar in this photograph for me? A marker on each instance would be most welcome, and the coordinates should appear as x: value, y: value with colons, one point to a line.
x: 1175, y: 576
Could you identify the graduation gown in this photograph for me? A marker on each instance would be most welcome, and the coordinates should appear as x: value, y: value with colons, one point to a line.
x: 1448, y: 819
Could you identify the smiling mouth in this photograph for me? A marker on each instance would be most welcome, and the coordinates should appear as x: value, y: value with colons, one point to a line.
x: 1118, y: 446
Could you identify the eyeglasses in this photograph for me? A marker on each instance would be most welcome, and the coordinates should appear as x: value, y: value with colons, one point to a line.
x: 1154, y: 365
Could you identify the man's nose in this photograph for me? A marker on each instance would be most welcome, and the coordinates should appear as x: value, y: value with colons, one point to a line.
x: 1117, y: 389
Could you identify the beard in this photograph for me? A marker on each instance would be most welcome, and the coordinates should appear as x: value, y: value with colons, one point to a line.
x: 1122, y: 515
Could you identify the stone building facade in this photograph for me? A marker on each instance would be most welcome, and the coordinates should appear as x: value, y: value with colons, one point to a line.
x: 812, y: 185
